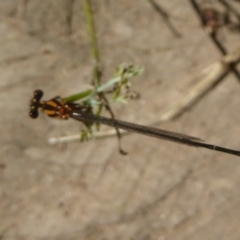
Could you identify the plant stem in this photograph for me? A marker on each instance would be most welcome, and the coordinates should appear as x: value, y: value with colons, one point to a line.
x: 93, y: 42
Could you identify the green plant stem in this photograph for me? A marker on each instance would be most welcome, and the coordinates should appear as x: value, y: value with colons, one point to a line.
x: 93, y: 42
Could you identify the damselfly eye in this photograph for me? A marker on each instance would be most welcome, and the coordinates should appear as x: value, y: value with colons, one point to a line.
x: 37, y: 95
x: 33, y: 113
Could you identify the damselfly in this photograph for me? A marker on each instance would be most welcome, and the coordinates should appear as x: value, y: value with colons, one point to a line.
x: 56, y: 108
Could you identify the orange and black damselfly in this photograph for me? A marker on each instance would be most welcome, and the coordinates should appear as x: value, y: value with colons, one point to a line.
x: 56, y: 108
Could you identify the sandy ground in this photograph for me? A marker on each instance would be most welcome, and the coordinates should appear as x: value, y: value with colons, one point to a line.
x: 73, y: 191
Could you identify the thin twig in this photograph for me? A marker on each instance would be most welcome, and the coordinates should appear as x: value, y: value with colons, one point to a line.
x: 230, y: 8
x: 165, y: 17
x: 212, y: 75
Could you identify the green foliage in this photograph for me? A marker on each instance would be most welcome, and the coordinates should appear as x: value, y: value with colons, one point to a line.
x: 115, y: 88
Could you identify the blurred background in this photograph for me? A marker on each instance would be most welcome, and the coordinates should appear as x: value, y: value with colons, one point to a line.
x: 160, y: 190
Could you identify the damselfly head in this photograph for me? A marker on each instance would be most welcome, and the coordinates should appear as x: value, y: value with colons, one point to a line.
x: 35, y: 103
